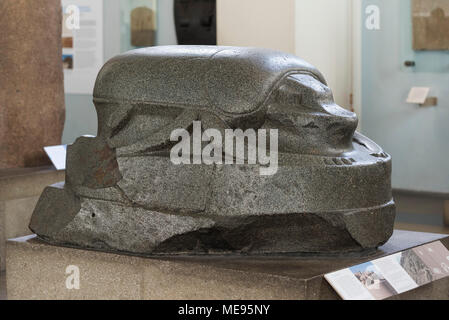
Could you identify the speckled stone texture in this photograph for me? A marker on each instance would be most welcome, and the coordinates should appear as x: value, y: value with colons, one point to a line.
x: 31, y: 81
x: 37, y: 270
x: 331, y: 194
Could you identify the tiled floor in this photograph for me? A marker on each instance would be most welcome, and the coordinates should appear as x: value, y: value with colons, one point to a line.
x: 2, y: 286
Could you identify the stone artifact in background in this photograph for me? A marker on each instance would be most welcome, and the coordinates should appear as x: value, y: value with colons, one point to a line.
x: 143, y: 27
x: 196, y: 22
x: 430, y: 24
x: 31, y: 81
x: 330, y: 195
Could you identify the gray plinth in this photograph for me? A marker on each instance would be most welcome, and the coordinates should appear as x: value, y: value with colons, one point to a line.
x: 36, y: 270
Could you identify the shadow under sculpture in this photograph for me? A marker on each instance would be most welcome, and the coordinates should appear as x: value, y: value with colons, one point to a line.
x: 330, y: 195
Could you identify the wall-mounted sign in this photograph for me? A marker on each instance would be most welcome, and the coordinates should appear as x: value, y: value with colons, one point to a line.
x: 57, y: 155
x: 82, y: 44
x: 418, y: 95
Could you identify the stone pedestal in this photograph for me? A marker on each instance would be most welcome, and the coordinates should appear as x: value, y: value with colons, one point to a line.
x: 2, y: 285
x: 19, y: 192
x: 36, y: 270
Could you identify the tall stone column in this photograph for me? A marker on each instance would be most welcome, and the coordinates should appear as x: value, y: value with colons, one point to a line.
x: 32, y: 108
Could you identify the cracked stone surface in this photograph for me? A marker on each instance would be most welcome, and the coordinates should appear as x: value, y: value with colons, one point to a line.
x: 330, y: 195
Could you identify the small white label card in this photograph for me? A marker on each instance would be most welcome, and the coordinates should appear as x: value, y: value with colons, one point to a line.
x: 418, y: 95
x: 392, y: 275
x: 57, y: 155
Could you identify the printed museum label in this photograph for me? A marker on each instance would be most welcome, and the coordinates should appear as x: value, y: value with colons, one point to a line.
x: 385, y: 277
x: 57, y: 155
x: 418, y: 95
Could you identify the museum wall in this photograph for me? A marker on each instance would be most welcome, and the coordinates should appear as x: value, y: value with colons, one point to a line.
x: 166, y: 21
x: 257, y: 23
x: 416, y: 137
x: 323, y: 37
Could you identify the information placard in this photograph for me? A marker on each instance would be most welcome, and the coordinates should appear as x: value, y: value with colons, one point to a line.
x: 82, y: 44
x: 392, y: 275
x: 57, y: 155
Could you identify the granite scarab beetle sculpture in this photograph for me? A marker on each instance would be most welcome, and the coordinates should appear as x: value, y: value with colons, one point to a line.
x: 330, y: 195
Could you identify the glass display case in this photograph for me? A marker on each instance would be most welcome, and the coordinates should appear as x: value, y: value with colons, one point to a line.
x: 138, y: 24
x: 424, y: 36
